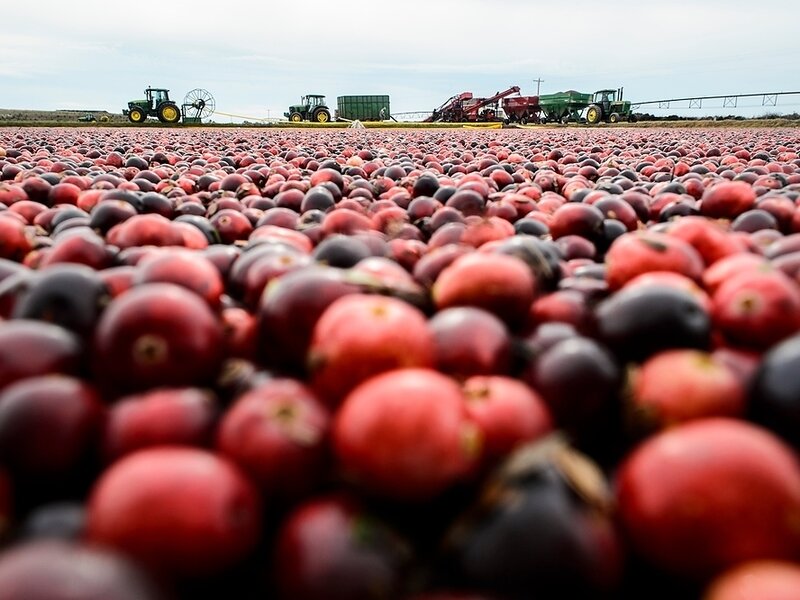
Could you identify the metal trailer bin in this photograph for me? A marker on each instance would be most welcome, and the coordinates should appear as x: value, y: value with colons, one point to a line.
x: 564, y: 106
x: 363, y: 108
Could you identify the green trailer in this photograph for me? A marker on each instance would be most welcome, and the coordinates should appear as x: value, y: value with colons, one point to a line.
x: 564, y: 107
x: 363, y: 108
x: 602, y: 106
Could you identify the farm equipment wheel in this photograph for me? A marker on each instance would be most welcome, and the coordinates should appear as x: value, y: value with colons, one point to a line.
x: 632, y: 118
x: 104, y: 118
x: 169, y: 113
x: 295, y: 117
x: 593, y: 114
x: 565, y: 120
x: 613, y: 118
x: 136, y: 115
x: 523, y: 121
x: 322, y: 116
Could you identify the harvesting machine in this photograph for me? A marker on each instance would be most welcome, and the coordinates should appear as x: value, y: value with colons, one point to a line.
x: 465, y: 108
x: 450, y: 108
x: 562, y: 107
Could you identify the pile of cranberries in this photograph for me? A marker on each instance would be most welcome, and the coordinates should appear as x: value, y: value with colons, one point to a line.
x: 411, y: 365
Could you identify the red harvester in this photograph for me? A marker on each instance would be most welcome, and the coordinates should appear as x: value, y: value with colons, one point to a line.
x: 464, y: 108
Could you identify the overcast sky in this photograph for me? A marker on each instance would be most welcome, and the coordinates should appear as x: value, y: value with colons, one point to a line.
x: 258, y: 57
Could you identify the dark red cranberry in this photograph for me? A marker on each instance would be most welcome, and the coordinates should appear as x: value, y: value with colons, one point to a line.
x: 332, y: 549
x: 644, y: 319
x: 775, y: 393
x: 231, y: 225
x: 289, y: 310
x: 57, y: 520
x: 49, y: 426
x: 470, y: 341
x: 167, y: 416
x: 578, y: 379
x: 204, y: 225
x: 257, y: 266
x: 157, y: 334
x: 562, y: 495
x: 187, y: 269
x: 58, y: 570
x: 72, y: 296
x: 341, y: 251
x: 754, y: 220
x: 31, y: 348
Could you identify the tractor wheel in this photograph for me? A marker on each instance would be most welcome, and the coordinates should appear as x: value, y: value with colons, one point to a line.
x: 322, y: 116
x: 295, y: 117
x: 593, y: 114
x: 613, y: 118
x: 169, y: 113
x: 136, y: 115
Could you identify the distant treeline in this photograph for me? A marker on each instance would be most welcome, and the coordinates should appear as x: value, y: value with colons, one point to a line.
x: 768, y: 116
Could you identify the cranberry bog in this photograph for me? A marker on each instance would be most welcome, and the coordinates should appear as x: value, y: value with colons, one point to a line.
x: 405, y: 364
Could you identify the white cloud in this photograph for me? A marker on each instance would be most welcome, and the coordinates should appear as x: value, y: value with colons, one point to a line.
x: 26, y: 56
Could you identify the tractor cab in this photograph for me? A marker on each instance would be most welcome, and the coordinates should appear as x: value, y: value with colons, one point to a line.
x: 313, y: 100
x: 156, y: 96
x: 153, y: 98
x: 605, y: 98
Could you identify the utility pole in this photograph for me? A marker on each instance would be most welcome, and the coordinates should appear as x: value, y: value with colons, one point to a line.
x: 538, y: 83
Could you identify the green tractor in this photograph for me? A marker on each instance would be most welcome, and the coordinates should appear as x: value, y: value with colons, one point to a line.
x: 156, y: 104
x: 608, y: 106
x: 312, y: 107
